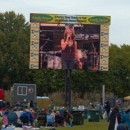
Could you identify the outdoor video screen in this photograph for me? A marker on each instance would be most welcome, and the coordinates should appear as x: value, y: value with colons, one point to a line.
x: 69, y: 46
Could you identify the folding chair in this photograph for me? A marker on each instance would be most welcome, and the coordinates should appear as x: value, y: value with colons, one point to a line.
x: 50, y: 120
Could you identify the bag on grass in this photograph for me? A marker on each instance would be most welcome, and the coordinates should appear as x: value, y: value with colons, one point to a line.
x: 104, y: 115
x: 116, y: 123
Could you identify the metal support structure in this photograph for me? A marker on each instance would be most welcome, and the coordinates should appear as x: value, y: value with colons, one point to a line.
x: 103, y: 94
x: 68, y: 81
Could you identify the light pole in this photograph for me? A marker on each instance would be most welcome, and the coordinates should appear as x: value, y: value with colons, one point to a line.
x: 103, y: 94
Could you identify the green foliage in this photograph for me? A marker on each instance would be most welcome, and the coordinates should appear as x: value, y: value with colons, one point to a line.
x: 48, y: 81
x: 119, y: 70
x: 14, y: 52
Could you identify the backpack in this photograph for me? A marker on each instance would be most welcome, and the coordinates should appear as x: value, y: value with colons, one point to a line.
x: 1, y: 119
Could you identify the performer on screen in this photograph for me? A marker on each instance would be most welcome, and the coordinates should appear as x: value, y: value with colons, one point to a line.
x: 69, y: 49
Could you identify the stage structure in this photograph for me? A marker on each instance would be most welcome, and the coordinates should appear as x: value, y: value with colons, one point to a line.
x: 91, y: 35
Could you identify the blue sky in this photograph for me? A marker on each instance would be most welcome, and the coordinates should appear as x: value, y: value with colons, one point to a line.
x: 117, y: 9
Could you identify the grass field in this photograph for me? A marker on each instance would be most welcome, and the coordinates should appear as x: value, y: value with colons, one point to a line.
x: 101, y: 125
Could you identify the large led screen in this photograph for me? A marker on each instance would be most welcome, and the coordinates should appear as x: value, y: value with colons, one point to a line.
x: 69, y: 42
x: 69, y: 46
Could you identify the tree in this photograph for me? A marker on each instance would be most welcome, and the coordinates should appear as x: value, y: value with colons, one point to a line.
x: 14, y: 52
x: 48, y: 81
x: 119, y: 69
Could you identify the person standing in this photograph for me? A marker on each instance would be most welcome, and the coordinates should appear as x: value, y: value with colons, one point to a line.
x: 101, y: 110
x: 7, y: 105
x: 102, y: 106
x: 126, y: 117
x: 67, y: 116
x: 31, y: 104
x: 69, y: 50
x: 114, y: 116
x: 107, y: 109
x: 2, y: 105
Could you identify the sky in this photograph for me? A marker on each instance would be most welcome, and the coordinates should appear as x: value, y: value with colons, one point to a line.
x: 118, y: 10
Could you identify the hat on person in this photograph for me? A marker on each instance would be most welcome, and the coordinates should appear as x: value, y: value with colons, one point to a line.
x: 3, y: 126
x: 31, y: 110
x: 57, y: 112
x: 25, y: 110
x: 121, y: 127
x: 116, y: 108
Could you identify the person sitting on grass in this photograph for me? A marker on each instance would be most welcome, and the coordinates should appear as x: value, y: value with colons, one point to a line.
x: 24, y: 118
x: 42, y: 117
x: 50, y: 119
x: 12, y: 117
x: 59, y: 119
x: 5, y: 118
x: 122, y: 127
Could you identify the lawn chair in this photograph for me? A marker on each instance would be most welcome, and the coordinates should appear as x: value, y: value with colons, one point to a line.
x: 42, y: 118
x: 50, y: 120
x: 12, y: 118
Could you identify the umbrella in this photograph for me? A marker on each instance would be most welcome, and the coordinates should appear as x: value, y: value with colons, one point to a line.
x: 127, y: 98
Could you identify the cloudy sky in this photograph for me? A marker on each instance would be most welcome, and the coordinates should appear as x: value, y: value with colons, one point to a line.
x: 118, y: 10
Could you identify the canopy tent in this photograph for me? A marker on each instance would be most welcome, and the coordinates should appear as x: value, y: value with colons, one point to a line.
x: 127, y: 98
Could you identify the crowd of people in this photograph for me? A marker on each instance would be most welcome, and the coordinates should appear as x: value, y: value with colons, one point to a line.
x: 117, y: 119
x: 20, y: 117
